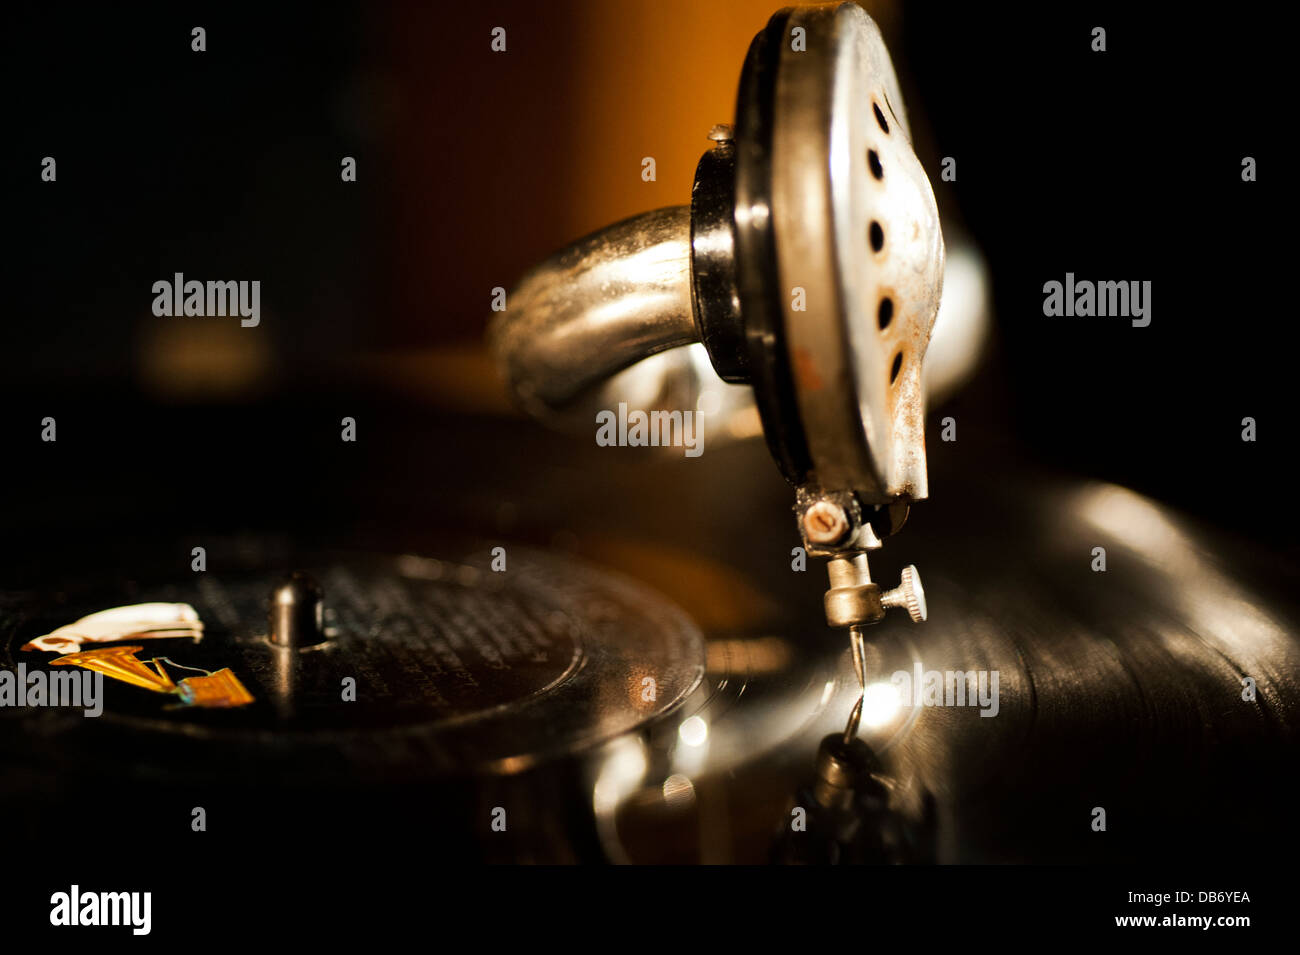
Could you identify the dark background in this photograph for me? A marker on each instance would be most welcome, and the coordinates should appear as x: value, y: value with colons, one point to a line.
x: 472, y: 165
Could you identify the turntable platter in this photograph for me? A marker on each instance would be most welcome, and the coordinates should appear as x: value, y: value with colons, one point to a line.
x: 453, y: 667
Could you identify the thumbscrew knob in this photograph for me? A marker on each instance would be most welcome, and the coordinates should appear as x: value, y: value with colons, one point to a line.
x: 909, y: 593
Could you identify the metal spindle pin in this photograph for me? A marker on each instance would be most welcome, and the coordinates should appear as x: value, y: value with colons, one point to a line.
x: 857, y: 642
x: 296, y: 617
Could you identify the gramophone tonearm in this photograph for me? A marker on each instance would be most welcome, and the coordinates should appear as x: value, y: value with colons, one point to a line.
x: 810, y: 266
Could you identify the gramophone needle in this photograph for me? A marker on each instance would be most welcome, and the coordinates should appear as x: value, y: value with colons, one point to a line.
x: 857, y: 644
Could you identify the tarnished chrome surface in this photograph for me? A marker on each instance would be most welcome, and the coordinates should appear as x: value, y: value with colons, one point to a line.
x: 837, y: 266
x: 683, y: 378
x: 856, y: 227
x: 604, y: 303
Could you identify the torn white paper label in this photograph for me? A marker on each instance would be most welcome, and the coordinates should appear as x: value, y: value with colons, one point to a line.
x: 153, y: 621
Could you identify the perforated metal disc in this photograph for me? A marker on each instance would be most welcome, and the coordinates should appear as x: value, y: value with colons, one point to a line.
x: 837, y: 225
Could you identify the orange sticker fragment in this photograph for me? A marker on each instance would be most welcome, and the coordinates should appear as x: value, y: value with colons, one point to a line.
x: 219, y: 690
x: 120, y: 663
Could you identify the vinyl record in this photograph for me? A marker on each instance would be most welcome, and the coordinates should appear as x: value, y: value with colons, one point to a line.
x: 422, y: 665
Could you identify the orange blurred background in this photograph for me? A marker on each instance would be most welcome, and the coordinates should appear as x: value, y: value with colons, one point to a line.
x: 516, y: 154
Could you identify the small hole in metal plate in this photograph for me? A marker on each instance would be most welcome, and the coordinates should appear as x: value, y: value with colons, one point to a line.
x: 898, y: 365
x: 877, y: 236
x: 889, y: 105
x: 880, y: 117
x: 873, y: 161
x: 885, y: 314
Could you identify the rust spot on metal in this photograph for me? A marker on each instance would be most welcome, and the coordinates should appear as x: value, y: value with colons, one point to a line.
x: 805, y: 371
